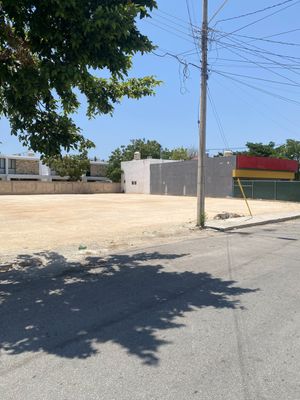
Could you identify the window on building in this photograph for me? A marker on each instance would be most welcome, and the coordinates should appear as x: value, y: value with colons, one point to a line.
x: 11, y: 166
x: 133, y: 182
x: 2, y: 165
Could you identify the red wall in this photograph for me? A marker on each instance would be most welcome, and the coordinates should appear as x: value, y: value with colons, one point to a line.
x: 266, y: 163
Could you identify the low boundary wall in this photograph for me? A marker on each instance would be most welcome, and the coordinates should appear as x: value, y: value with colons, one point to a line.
x: 37, y: 187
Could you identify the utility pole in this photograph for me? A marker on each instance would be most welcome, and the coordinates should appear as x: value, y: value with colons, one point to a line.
x: 202, y: 125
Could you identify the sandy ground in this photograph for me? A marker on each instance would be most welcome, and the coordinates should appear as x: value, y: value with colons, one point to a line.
x: 107, y: 222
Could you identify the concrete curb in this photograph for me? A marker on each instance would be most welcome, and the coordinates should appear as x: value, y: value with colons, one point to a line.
x: 255, y: 221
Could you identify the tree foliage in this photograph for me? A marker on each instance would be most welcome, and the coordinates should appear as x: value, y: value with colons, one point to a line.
x: 291, y: 150
x: 114, y: 165
x: 261, y: 150
x: 51, y: 50
x: 73, y: 166
x: 179, y: 153
x: 149, y: 148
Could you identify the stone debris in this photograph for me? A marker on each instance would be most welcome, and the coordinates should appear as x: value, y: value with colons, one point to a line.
x: 227, y: 215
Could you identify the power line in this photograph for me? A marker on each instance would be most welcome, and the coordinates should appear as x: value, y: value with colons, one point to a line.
x: 258, y: 52
x: 239, y: 48
x: 262, y: 66
x: 261, y: 19
x: 193, y: 11
x: 283, y: 98
x: 229, y: 75
x: 192, y: 28
x: 257, y: 78
x: 259, y: 110
x: 255, y: 49
x: 232, y: 148
x: 217, y: 118
x: 270, y: 64
x: 172, y: 33
x: 175, y: 17
x: 255, y: 12
x: 185, y: 33
x: 185, y: 26
x: 218, y: 10
x: 176, y: 56
x: 261, y: 39
x: 282, y: 33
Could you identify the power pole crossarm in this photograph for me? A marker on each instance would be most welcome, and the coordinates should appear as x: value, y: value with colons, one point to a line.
x: 202, y: 125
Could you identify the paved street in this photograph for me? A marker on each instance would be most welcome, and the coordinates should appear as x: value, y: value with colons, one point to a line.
x: 212, y: 318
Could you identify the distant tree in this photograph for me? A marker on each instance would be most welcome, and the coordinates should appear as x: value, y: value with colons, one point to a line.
x: 261, y: 150
x: 51, y: 50
x: 166, y: 154
x: 291, y: 150
x: 179, y: 153
x: 114, y: 165
x: 73, y: 166
x: 149, y: 148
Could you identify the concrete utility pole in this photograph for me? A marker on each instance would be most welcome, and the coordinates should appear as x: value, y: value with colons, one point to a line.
x: 202, y: 125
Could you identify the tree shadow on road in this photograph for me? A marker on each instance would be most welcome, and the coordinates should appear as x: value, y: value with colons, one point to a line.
x: 123, y: 299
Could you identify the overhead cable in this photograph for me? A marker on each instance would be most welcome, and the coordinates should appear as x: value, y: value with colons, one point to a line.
x: 261, y: 19
x: 218, y: 10
x: 255, y: 12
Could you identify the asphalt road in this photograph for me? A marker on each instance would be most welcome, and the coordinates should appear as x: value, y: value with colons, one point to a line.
x: 211, y: 318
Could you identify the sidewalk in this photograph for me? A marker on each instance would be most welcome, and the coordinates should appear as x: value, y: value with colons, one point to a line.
x: 244, y: 222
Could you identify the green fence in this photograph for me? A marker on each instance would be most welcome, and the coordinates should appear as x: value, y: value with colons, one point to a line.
x: 270, y: 190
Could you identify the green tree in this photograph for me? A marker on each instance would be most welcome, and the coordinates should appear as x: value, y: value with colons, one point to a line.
x: 51, y: 50
x: 114, y: 165
x: 291, y: 150
x: 149, y: 148
x: 179, y: 153
x: 166, y: 154
x: 261, y: 150
x: 73, y: 166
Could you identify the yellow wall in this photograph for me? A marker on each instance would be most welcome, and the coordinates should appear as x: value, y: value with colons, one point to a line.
x: 260, y: 174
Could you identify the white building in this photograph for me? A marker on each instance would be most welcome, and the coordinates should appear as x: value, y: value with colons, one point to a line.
x: 30, y: 167
x: 136, y: 175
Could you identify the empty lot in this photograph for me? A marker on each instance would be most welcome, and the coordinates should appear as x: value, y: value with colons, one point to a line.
x: 106, y: 221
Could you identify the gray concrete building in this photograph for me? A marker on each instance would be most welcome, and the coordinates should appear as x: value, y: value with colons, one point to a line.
x: 178, y: 178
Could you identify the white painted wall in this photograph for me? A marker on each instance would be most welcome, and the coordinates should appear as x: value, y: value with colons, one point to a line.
x: 138, y: 171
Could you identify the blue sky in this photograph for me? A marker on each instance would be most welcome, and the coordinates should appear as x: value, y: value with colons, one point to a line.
x: 245, y: 113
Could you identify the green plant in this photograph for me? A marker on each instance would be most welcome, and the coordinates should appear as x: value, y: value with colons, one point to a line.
x: 52, y: 50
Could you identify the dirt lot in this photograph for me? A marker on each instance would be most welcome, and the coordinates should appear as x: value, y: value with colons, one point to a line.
x: 107, y: 222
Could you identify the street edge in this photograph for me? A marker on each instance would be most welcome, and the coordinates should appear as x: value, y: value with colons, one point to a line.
x: 253, y: 223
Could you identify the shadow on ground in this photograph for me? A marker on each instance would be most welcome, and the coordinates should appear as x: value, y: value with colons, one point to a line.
x: 123, y: 299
